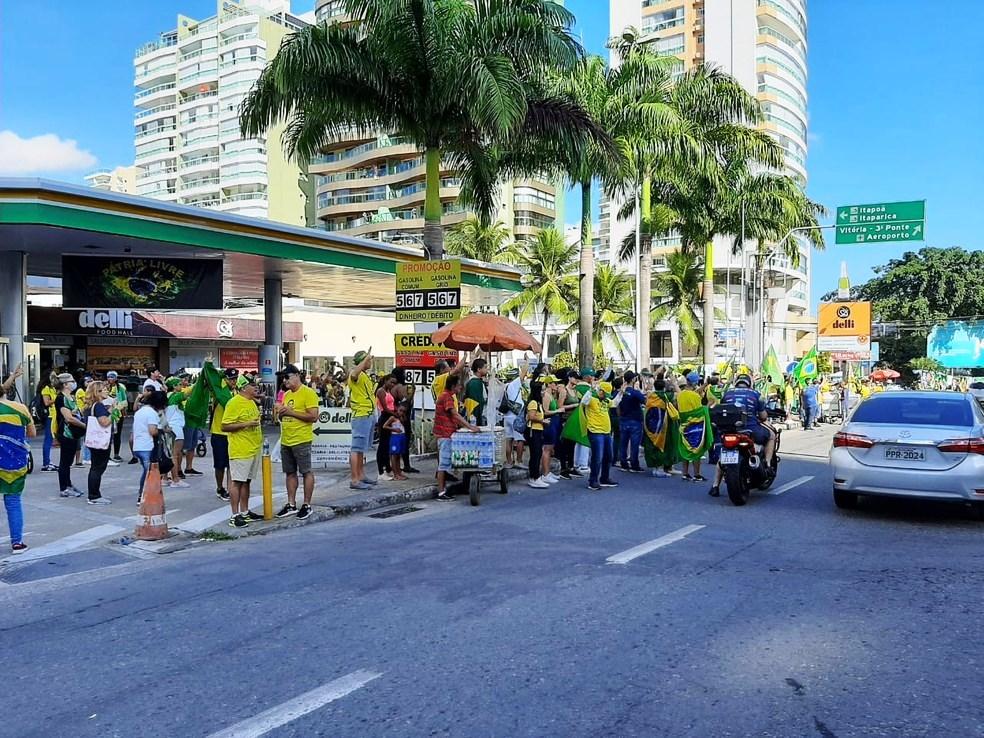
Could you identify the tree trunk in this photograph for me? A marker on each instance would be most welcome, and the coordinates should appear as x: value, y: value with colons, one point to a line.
x: 645, y: 274
x: 708, y: 289
x: 543, y: 336
x: 433, y: 230
x: 585, y: 341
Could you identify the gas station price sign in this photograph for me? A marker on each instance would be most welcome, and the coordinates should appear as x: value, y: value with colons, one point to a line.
x: 428, y: 291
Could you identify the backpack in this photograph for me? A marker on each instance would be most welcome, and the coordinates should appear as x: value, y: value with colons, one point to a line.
x: 39, y: 410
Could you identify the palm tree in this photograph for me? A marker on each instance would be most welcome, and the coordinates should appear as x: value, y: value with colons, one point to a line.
x: 474, y: 239
x: 549, y: 284
x: 614, y: 307
x: 452, y: 77
x: 676, y: 295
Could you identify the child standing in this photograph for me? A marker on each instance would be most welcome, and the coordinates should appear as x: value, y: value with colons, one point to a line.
x: 395, y: 424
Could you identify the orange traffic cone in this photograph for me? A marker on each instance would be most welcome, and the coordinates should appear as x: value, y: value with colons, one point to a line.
x: 152, y: 523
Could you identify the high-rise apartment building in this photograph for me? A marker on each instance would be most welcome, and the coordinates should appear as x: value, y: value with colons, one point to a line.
x: 120, y: 179
x: 189, y: 85
x: 374, y: 185
x: 763, y: 44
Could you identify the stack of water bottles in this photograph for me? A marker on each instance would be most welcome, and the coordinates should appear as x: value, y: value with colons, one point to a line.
x: 473, y: 450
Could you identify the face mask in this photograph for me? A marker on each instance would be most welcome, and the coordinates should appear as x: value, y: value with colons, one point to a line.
x: 72, y: 386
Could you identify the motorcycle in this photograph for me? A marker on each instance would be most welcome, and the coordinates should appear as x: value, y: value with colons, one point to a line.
x: 742, y: 460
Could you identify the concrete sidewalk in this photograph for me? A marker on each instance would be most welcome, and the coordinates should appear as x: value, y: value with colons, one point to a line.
x: 810, y: 443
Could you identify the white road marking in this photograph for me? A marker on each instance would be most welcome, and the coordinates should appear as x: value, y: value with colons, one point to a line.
x: 68, y: 543
x: 209, y: 519
x: 641, y: 550
x: 299, y: 706
x: 790, y: 485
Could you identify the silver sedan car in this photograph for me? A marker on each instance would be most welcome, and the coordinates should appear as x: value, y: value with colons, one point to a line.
x: 911, y: 444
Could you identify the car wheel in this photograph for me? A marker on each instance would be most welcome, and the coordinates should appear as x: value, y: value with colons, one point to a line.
x: 845, y: 500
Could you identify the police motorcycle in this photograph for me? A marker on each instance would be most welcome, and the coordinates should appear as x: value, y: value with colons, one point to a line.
x: 742, y: 459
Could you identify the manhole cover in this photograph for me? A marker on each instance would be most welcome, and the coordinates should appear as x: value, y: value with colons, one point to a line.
x: 396, y: 511
x: 56, y: 566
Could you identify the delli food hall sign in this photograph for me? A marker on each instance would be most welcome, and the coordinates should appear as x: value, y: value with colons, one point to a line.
x: 142, y: 323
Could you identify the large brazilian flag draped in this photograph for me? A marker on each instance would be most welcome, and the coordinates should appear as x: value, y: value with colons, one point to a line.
x: 659, y: 441
x: 576, y: 428
x: 209, y: 384
x: 696, y: 436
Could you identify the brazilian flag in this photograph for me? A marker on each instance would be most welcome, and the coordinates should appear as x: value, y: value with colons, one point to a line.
x: 209, y: 384
x: 576, y: 428
x: 806, y: 370
x: 695, y: 436
x: 659, y: 442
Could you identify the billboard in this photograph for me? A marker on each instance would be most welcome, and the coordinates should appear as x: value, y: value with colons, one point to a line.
x: 957, y: 344
x: 844, y: 327
x: 417, y: 351
x: 428, y: 291
x: 119, y: 282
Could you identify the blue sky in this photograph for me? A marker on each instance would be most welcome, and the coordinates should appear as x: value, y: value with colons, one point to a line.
x: 896, y: 100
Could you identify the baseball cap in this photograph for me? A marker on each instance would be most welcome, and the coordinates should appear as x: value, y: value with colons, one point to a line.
x: 693, y: 378
x: 172, y: 382
x: 586, y: 372
x: 360, y: 356
x: 112, y: 375
x: 606, y: 386
x: 244, y: 380
x: 291, y: 369
x: 549, y: 379
x: 231, y: 373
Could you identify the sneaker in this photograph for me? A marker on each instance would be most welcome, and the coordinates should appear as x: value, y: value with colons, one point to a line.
x: 134, y: 460
x: 304, y: 513
x: 714, y: 491
x: 85, y: 462
x: 179, y: 485
x: 583, y: 471
x: 251, y: 516
x: 193, y: 472
x: 445, y: 497
x: 538, y: 484
x: 287, y: 510
x: 100, y: 501
x: 661, y: 474
x: 371, y: 482
x: 411, y: 470
x: 18, y: 548
x: 181, y: 475
x: 566, y: 475
x: 111, y: 463
x: 637, y: 471
x: 594, y: 487
x: 359, y: 485
x: 576, y: 473
x: 222, y: 494
x: 79, y: 464
x: 385, y: 477
x: 687, y: 478
x: 700, y: 478
x: 609, y: 484
x: 118, y: 459
x: 238, y: 522
x: 552, y: 478
x: 76, y: 492
x: 49, y: 467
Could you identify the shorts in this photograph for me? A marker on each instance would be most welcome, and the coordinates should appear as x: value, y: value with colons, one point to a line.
x: 178, y: 430
x: 362, y: 434
x: 444, y: 454
x: 398, y: 444
x: 296, y: 459
x: 511, y: 433
x: 552, y: 429
x: 220, y: 451
x: 191, y: 436
x: 760, y: 434
x: 244, y: 470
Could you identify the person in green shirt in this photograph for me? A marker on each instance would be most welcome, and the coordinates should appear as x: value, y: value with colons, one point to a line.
x: 298, y: 412
x: 476, y: 393
x: 241, y: 423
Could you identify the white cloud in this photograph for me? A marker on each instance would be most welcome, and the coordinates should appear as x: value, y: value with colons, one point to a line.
x: 46, y: 153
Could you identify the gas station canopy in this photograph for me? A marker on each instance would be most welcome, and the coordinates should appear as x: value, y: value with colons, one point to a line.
x: 46, y: 220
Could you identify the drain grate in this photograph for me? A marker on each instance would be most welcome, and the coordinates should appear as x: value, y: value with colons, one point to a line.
x: 395, y: 511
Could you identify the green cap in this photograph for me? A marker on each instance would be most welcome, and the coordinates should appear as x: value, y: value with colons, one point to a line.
x: 243, y: 380
x: 587, y: 371
x: 360, y: 356
x: 172, y: 382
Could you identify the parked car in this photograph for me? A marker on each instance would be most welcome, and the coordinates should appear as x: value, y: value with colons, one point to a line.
x: 911, y: 444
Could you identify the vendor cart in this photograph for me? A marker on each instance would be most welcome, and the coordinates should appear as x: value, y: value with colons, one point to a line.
x: 480, y: 457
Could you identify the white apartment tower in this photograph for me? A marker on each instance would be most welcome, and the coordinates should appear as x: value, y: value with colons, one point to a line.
x: 189, y: 85
x: 762, y: 43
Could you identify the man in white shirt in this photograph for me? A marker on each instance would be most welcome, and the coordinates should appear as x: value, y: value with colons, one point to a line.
x: 514, y: 400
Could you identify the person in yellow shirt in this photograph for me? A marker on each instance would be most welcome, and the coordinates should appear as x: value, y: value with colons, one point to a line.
x: 687, y: 400
x: 362, y: 401
x: 48, y: 396
x: 241, y: 422
x: 220, y: 441
x: 596, y: 403
x: 297, y: 413
x: 441, y: 372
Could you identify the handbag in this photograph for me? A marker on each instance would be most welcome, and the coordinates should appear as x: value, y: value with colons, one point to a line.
x: 96, y: 436
x: 161, y: 455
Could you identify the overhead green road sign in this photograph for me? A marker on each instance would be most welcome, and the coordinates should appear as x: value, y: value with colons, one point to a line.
x: 880, y: 222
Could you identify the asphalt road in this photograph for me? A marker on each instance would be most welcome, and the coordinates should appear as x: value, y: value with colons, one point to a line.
x: 783, y: 618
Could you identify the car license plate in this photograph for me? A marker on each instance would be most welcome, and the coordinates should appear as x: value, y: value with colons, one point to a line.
x: 729, y: 457
x: 905, y: 453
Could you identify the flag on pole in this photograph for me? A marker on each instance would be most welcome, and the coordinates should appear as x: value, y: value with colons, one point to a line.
x: 771, y: 368
x: 807, y: 368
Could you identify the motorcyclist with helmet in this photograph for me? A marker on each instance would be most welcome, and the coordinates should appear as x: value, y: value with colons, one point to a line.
x: 742, y: 396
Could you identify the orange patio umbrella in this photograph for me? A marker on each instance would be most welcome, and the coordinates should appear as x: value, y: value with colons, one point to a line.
x: 488, y: 332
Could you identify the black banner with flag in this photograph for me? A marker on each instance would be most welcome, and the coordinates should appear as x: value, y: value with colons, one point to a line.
x: 123, y: 282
